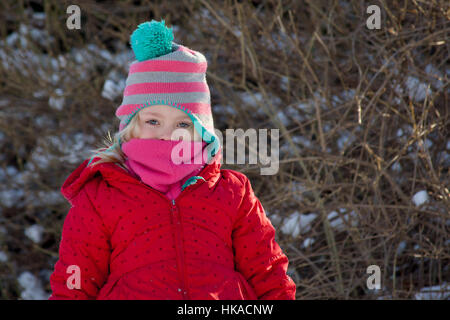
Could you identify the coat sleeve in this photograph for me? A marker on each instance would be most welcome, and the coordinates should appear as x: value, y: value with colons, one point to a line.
x: 84, y: 253
x: 257, y: 255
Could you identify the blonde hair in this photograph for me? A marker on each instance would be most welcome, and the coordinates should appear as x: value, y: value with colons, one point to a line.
x: 112, y: 151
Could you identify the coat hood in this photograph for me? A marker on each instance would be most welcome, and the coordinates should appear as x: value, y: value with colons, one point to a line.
x: 114, y: 174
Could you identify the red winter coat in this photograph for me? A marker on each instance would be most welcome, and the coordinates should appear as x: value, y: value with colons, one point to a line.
x: 214, y: 242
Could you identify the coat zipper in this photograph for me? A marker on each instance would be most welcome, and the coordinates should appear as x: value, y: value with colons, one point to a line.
x: 175, y: 219
x: 179, y: 248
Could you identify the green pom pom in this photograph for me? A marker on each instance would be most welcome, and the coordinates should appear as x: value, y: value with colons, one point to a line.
x: 151, y: 39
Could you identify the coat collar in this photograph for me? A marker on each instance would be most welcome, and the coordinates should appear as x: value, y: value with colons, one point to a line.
x: 115, y: 172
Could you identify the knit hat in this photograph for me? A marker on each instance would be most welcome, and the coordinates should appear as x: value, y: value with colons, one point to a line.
x: 167, y: 73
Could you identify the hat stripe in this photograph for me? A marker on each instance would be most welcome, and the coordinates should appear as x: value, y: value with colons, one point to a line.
x: 186, y: 49
x: 187, y: 97
x: 197, y: 108
x: 164, y: 87
x: 140, y: 77
x: 168, y: 66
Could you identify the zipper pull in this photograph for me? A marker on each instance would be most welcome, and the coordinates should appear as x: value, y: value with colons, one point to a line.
x: 173, y: 201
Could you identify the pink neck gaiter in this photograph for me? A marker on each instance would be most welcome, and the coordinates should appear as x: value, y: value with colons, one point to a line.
x: 151, y: 160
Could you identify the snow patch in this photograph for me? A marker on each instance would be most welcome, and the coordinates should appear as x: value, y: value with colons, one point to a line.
x: 256, y: 101
x: 3, y: 256
x: 10, y: 197
x: 224, y: 109
x: 56, y: 101
x: 439, y: 292
x: 396, y: 166
x: 32, y: 287
x: 35, y: 232
x: 114, y: 85
x: 420, y: 198
x: 436, y: 75
x: 308, y: 242
x: 345, y: 140
x: 71, y: 148
x: 401, y: 247
x: 340, y: 220
x: 44, y: 198
x: 295, y: 224
x: 417, y: 90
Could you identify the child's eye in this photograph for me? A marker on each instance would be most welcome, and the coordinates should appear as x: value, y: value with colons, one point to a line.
x: 151, y: 122
x: 186, y: 124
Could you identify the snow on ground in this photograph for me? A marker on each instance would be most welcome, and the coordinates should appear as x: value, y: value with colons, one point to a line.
x: 257, y: 102
x: 25, y: 33
x: 3, y: 256
x: 414, y: 88
x: 345, y: 140
x: 385, y: 297
x: 44, y: 121
x: 436, y: 76
x: 32, y: 287
x: 420, y: 198
x: 280, y: 40
x: 35, y: 232
x: 343, y: 97
x: 396, y: 166
x: 284, y: 83
x: 297, y: 189
x: 339, y: 221
x: 56, y: 101
x: 439, y: 292
x: 444, y: 155
x: 293, y: 113
x: 283, y: 118
x: 10, y: 197
x: 401, y: 247
x: 44, y: 198
x: 71, y: 148
x: 308, y: 242
x: 17, y: 52
x: 114, y: 85
x: 295, y: 223
x: 302, y: 141
x: 223, y: 110
x: 417, y: 90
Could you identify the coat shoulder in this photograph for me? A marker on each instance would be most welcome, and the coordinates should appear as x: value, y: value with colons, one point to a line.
x: 233, y: 177
x: 98, y: 192
x: 233, y: 185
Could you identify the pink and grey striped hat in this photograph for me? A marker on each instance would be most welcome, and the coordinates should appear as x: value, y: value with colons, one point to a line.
x: 167, y: 73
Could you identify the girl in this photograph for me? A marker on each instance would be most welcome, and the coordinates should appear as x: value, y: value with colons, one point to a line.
x: 154, y: 216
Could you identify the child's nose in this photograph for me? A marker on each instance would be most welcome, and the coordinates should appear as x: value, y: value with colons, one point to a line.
x: 165, y: 134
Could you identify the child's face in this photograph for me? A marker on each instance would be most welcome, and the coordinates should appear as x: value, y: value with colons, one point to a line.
x: 160, y: 121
